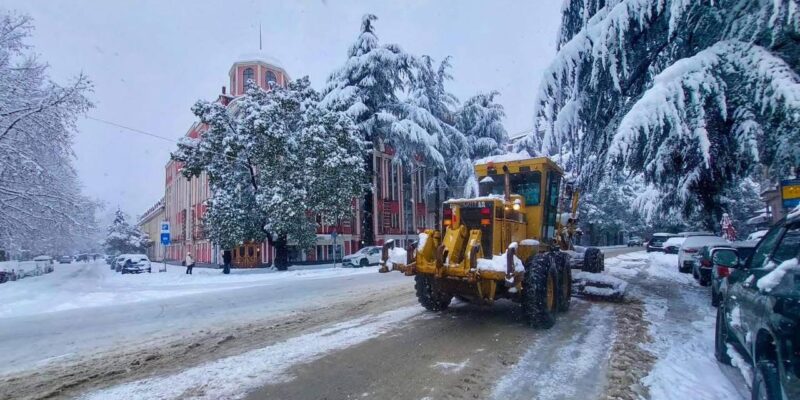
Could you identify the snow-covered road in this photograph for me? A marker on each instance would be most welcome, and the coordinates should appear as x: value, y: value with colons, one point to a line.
x: 353, y: 334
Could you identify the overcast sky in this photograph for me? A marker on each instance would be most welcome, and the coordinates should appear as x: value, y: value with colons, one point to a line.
x: 151, y: 60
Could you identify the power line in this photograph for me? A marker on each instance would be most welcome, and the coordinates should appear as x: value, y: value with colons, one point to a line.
x: 132, y: 129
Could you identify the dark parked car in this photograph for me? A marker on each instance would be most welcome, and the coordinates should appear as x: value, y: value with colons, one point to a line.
x: 719, y: 271
x: 65, y: 259
x: 656, y: 242
x: 135, y: 264
x: 635, y: 242
x: 759, y: 314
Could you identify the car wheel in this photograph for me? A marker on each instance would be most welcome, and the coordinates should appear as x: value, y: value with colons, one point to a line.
x: 766, y: 382
x: 721, y: 340
x: 363, y: 263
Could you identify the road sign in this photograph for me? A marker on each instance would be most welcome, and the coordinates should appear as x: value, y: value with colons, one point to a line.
x: 164, y: 226
x: 165, y: 239
x: 790, y: 193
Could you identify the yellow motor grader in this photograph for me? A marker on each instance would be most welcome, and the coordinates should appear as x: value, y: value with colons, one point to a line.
x: 512, y: 242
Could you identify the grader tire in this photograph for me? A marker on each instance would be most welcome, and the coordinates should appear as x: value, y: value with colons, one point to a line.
x: 561, y: 262
x: 593, y: 260
x: 540, y: 293
x: 429, y: 296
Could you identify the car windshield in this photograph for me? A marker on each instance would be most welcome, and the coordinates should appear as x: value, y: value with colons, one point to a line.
x: 426, y: 199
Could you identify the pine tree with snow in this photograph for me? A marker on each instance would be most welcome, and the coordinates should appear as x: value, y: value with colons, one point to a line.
x: 275, y: 160
x: 691, y: 95
x: 124, y: 238
x: 368, y: 89
x: 481, y: 121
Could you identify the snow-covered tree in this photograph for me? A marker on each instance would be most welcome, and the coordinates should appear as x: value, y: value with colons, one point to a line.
x: 41, y: 205
x: 124, y: 238
x: 481, y: 121
x: 368, y: 88
x: 692, y: 95
x: 276, y: 160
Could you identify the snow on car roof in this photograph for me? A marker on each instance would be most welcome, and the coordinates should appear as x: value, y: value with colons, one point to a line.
x: 703, y: 240
x: 675, y: 240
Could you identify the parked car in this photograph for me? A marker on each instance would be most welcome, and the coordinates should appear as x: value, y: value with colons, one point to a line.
x: 110, y: 260
x: 720, y: 271
x: 689, y: 252
x: 759, y: 314
x: 65, y: 259
x: 119, y: 261
x: 135, y: 264
x: 635, y: 242
x: 673, y: 244
x: 656, y: 242
x: 366, y: 256
x: 757, y: 235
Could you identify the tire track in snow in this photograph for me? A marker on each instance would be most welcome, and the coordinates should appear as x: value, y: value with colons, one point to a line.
x: 232, y: 377
x: 568, y: 362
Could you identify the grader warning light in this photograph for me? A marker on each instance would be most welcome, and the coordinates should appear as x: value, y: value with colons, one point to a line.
x: 514, y: 241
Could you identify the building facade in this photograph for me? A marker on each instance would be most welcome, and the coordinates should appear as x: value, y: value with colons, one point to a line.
x: 399, y: 204
x: 150, y: 224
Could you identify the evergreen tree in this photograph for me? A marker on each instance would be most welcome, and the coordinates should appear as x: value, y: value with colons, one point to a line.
x: 481, y: 121
x: 124, y: 238
x: 691, y: 95
x: 367, y: 88
x: 276, y: 160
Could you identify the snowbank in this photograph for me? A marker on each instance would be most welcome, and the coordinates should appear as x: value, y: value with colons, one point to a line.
x: 79, y: 285
x: 600, y: 285
x: 397, y: 255
x: 774, y: 277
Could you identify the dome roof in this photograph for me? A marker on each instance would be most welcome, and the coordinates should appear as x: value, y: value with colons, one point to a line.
x: 259, y: 56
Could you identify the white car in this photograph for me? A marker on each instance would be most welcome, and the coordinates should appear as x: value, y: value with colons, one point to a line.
x: 134, y: 263
x: 690, y: 250
x: 370, y: 255
x: 673, y: 244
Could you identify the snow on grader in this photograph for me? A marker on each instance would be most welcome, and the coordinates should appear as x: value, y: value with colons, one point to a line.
x: 512, y: 242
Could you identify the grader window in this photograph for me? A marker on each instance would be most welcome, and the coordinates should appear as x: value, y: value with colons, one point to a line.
x: 527, y: 184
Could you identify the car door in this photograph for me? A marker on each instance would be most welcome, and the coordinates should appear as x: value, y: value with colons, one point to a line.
x: 374, y: 255
x: 743, y: 303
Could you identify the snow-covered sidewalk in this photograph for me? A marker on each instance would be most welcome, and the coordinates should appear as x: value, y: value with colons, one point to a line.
x: 681, y: 322
x: 81, y: 285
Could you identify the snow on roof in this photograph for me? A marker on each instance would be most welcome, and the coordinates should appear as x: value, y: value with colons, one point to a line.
x: 259, y: 56
x: 511, y: 156
x: 491, y: 197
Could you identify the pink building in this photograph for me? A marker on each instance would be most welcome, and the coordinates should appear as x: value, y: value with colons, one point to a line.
x: 399, y: 204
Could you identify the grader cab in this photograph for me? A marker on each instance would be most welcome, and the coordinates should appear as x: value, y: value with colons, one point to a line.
x: 512, y: 242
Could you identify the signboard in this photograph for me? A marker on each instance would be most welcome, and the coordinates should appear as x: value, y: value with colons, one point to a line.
x: 165, y: 239
x: 790, y: 193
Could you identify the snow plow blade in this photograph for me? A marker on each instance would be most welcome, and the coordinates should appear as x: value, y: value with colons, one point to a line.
x: 597, y: 286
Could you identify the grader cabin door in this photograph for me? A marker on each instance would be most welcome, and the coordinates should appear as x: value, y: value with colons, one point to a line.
x: 247, y: 255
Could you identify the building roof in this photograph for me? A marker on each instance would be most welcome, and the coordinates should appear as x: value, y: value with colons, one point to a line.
x: 259, y: 56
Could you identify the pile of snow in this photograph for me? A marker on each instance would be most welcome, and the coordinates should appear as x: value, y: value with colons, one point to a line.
x: 423, y: 237
x: 397, y: 255
x: 665, y: 266
x: 498, y: 263
x: 598, y: 285
x: 774, y: 277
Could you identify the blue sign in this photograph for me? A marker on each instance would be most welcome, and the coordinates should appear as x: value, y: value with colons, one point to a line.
x: 165, y: 239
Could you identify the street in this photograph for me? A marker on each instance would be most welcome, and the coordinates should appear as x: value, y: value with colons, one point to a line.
x: 362, y: 335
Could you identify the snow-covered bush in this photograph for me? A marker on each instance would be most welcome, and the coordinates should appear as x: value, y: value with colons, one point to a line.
x: 124, y: 238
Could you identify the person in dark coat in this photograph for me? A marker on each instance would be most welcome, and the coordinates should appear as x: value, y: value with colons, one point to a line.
x: 226, y: 260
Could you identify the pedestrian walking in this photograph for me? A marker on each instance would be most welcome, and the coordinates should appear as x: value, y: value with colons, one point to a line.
x: 189, y: 261
x: 226, y: 260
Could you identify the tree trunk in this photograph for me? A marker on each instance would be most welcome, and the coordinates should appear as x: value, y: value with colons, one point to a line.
x: 367, y: 206
x: 281, y: 253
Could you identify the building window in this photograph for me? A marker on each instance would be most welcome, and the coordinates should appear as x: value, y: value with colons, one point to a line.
x: 319, y: 253
x: 247, y: 75
x: 270, y: 79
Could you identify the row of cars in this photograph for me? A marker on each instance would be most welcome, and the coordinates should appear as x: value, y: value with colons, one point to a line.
x: 755, y: 285
x: 129, y: 263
